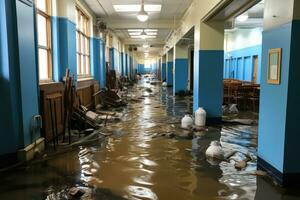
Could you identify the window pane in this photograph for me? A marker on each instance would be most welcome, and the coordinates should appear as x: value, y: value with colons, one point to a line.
x: 78, y: 64
x: 81, y: 23
x: 77, y: 42
x: 82, y: 65
x: 86, y: 46
x: 87, y: 65
x: 82, y: 43
x: 76, y: 16
x: 42, y: 30
x: 43, y: 64
x: 41, y: 5
x: 87, y: 27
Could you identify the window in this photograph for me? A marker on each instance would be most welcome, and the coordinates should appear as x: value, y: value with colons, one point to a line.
x: 82, y: 44
x: 44, y: 39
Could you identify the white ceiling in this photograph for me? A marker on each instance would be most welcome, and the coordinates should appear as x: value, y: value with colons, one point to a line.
x: 119, y: 22
x: 256, y: 17
x: 170, y: 8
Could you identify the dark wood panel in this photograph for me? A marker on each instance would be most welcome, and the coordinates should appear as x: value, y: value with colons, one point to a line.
x: 85, y: 91
x: 46, y: 91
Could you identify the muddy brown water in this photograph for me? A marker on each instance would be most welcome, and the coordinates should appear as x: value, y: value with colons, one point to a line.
x: 134, y: 164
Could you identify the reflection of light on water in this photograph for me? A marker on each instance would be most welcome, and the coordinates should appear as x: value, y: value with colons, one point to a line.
x: 148, y: 162
x: 142, y: 192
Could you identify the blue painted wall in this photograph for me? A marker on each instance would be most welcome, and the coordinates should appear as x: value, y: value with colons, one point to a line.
x: 208, y: 82
x: 163, y: 71
x: 95, y: 58
x: 18, y: 75
x: 122, y: 63
x: 9, y: 101
x: 169, y: 73
x: 97, y: 52
x: 181, y: 70
x: 64, y: 47
x: 239, y: 64
x: 102, y: 64
x: 130, y: 68
x: 28, y: 68
x: 126, y: 64
x: 273, y: 99
x: 143, y: 70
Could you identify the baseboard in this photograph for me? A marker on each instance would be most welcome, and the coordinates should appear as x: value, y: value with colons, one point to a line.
x: 283, y: 179
x: 29, y: 152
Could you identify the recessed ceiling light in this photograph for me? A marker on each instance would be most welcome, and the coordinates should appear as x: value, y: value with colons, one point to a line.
x: 150, y: 30
x: 151, y: 33
x: 140, y: 37
x: 243, y: 17
x: 135, y: 33
x: 135, y: 30
x: 137, y: 8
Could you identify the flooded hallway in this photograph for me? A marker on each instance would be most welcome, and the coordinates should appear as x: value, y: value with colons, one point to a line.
x: 149, y: 99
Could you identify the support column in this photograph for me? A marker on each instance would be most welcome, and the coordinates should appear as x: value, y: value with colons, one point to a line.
x: 95, y: 58
x: 208, y: 69
x: 278, y: 142
x: 126, y: 64
x: 112, y: 58
x: 181, y: 69
x: 158, y: 71
x: 18, y: 79
x: 163, y: 68
x: 102, y: 64
x: 122, y: 63
x: 64, y: 40
x: 169, y: 67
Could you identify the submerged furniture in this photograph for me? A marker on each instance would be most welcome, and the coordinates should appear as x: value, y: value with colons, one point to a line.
x: 243, y: 93
x: 52, y: 101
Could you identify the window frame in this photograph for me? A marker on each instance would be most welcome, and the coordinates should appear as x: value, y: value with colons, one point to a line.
x: 48, y: 48
x: 83, y: 36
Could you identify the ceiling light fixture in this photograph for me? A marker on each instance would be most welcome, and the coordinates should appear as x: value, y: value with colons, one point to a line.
x: 134, y: 33
x: 141, y: 37
x: 135, y: 30
x: 151, y: 30
x: 243, y: 17
x: 151, y: 33
x: 143, y: 15
x: 144, y: 35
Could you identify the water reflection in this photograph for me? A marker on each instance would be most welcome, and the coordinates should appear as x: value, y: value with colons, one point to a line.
x: 131, y: 164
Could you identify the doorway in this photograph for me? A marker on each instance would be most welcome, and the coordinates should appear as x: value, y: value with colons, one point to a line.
x: 255, y: 69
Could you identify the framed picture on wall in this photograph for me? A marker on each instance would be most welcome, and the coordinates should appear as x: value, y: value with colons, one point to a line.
x: 274, y: 66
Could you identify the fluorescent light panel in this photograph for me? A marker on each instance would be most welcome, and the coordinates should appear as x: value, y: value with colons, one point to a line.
x: 139, y: 37
x: 135, y: 33
x: 151, y: 33
x: 135, y: 30
x: 141, y: 30
x: 137, y: 8
x: 151, y: 30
